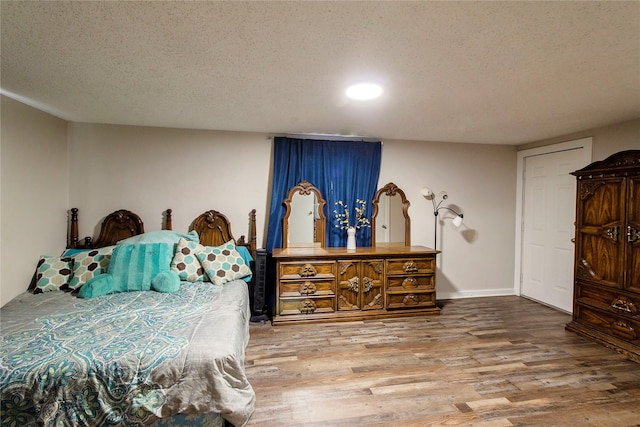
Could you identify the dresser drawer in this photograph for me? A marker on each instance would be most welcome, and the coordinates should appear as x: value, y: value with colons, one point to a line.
x: 308, y: 269
x: 403, y: 266
x: 298, y: 306
x: 410, y: 300
x: 608, y: 323
x: 612, y: 300
x: 309, y: 287
x: 410, y: 283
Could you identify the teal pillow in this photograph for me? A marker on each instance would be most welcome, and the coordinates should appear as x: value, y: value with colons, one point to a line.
x: 246, y: 256
x: 74, y: 251
x: 166, y: 281
x: 133, y: 266
x: 97, y: 286
x: 161, y: 236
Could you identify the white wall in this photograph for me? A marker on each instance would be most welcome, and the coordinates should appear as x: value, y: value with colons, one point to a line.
x: 148, y: 170
x: 607, y: 140
x: 34, y: 193
x: 478, y: 258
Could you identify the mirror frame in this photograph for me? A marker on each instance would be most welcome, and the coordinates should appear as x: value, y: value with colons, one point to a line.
x: 305, y: 188
x: 391, y: 190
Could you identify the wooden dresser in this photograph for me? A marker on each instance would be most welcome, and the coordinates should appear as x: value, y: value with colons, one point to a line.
x: 607, y: 254
x: 328, y: 284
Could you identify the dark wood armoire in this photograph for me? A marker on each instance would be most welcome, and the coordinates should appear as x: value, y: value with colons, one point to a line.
x: 606, y: 296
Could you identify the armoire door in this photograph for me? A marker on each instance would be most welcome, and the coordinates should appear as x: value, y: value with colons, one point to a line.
x: 599, y: 232
x: 632, y: 236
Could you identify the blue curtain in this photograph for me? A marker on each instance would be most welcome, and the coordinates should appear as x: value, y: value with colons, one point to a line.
x: 341, y: 170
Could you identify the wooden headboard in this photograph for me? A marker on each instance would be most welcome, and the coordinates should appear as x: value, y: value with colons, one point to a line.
x: 214, y: 229
x: 116, y: 226
x: 212, y: 226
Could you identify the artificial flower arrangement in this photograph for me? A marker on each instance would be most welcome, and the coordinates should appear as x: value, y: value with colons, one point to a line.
x: 343, y: 218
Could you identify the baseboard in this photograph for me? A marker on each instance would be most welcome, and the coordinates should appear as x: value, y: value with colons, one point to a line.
x: 475, y: 293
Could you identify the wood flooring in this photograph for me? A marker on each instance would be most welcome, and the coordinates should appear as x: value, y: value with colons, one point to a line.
x: 499, y: 361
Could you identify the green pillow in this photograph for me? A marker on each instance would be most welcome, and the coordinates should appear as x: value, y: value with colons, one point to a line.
x: 135, y: 267
x: 161, y: 236
x: 97, y: 286
x: 166, y: 281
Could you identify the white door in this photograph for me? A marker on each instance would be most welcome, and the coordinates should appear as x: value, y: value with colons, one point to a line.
x: 549, y: 199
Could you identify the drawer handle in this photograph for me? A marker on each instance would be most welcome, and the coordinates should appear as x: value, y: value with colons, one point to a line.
x: 614, y: 233
x: 353, y: 285
x: 410, y: 299
x: 307, y: 288
x: 410, y: 267
x: 307, y: 307
x: 307, y: 270
x: 368, y: 284
x: 623, y: 304
x: 622, y: 329
x: 410, y: 283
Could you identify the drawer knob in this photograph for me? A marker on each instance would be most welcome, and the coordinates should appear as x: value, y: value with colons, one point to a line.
x: 410, y: 283
x: 307, y: 288
x: 410, y: 299
x: 623, y: 330
x: 410, y: 267
x: 307, y: 270
x: 307, y: 307
x: 624, y: 304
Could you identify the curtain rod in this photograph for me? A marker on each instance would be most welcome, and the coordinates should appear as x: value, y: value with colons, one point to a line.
x: 331, y: 137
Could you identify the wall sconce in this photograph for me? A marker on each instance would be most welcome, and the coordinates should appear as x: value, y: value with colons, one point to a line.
x: 437, y: 207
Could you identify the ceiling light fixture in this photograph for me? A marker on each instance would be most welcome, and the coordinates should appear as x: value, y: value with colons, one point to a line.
x: 364, y: 91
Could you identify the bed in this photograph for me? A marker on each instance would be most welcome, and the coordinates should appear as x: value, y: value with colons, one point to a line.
x: 132, y: 357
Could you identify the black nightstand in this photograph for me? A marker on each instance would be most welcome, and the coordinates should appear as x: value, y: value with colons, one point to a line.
x: 259, y: 293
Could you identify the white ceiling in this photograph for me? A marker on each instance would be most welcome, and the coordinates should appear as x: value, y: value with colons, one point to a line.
x: 477, y: 72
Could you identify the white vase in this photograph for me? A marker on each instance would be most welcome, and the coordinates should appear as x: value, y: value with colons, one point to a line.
x: 351, y: 239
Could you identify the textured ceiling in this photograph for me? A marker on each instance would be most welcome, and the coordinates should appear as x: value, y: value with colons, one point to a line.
x: 479, y: 72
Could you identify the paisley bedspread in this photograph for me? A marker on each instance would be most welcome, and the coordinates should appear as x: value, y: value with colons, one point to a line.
x: 126, y: 359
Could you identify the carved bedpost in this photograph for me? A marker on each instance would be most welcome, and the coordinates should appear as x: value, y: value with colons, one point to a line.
x: 252, y: 232
x: 72, y: 238
x: 168, y: 220
x: 252, y: 235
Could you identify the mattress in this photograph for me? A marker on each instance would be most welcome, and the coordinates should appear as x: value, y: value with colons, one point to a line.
x: 133, y: 358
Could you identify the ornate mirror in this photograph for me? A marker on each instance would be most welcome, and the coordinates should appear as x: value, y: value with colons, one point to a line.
x: 304, y: 223
x: 390, y: 222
